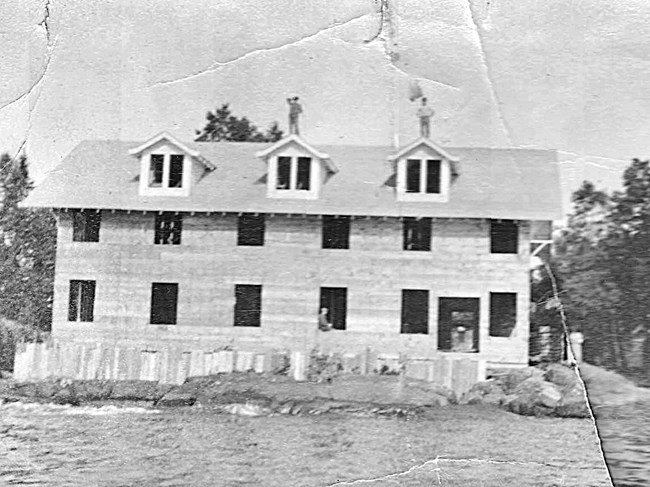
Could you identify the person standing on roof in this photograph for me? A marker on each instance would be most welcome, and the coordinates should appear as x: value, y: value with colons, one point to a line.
x: 424, y: 114
x: 295, y: 109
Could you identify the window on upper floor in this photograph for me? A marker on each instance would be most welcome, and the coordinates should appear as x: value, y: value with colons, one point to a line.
x: 81, y: 304
x: 293, y: 173
x: 423, y: 176
x: 336, y: 232
x: 166, y: 171
x: 168, y: 229
x: 85, y: 226
x: 164, y: 303
x: 417, y: 234
x: 248, y: 305
x: 250, y: 229
x: 504, y: 237
x: 503, y: 314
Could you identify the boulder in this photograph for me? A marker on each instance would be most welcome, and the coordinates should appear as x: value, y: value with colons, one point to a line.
x: 561, y: 375
x: 177, y: 397
x: 486, y: 392
x: 509, y: 379
x: 92, y: 390
x: 573, y: 403
x: 66, y: 395
x: 534, y: 397
x: 138, y: 390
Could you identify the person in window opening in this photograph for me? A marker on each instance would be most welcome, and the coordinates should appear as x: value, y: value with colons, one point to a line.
x: 425, y: 113
x: 295, y: 109
x: 323, y: 322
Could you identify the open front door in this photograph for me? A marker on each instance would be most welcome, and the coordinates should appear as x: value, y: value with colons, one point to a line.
x: 458, y: 320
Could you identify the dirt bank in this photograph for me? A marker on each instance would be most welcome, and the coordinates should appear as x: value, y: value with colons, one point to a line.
x: 550, y: 391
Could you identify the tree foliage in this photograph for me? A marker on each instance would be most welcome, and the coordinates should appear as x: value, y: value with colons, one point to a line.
x: 27, y: 250
x: 222, y: 125
x: 604, y: 259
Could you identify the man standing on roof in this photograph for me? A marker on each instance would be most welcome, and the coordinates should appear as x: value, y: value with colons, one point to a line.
x: 424, y: 114
x: 294, y: 111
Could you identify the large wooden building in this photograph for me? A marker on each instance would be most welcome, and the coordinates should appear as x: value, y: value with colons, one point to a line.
x: 422, y: 250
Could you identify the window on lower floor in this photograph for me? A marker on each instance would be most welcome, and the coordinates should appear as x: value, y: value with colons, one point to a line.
x: 85, y: 226
x: 415, y: 311
x: 164, y: 303
x: 504, y: 237
x: 503, y: 314
x: 81, y: 305
x: 168, y: 229
x: 248, y: 305
x: 336, y: 232
x: 250, y: 229
x: 417, y: 234
x: 458, y: 324
x: 334, y: 299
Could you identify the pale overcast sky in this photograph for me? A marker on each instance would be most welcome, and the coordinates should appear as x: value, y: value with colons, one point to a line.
x: 563, y: 75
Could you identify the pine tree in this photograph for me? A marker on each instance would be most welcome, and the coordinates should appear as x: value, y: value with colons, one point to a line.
x: 27, y: 250
x: 222, y: 125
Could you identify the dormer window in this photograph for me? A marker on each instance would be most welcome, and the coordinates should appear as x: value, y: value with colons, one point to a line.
x: 293, y: 173
x: 424, y: 172
x: 166, y: 171
x: 168, y: 167
x: 296, y: 170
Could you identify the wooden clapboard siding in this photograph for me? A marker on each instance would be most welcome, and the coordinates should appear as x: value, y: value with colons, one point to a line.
x: 291, y: 267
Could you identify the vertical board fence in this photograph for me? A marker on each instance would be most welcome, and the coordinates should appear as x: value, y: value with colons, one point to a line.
x: 170, y: 365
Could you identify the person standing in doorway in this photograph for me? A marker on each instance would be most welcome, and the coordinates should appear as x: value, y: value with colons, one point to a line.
x: 323, y: 322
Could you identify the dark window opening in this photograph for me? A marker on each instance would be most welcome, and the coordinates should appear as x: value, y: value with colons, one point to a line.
x: 85, y: 226
x: 504, y: 237
x: 176, y: 171
x: 433, y: 176
x: 248, y: 305
x: 156, y: 170
x: 417, y: 234
x: 284, y: 173
x: 458, y: 322
x: 415, y: 311
x: 503, y: 314
x: 303, y: 174
x: 168, y: 229
x: 413, y: 168
x: 81, y: 306
x: 336, y: 232
x: 250, y: 229
x: 164, y: 303
x: 334, y: 299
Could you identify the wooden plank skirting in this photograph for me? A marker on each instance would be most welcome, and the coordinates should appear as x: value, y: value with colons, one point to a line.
x: 172, y: 365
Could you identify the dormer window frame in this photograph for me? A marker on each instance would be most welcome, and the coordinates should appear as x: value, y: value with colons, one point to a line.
x: 292, y: 150
x: 424, y: 152
x: 167, y: 147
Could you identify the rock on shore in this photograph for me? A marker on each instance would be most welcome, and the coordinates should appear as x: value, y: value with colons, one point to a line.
x: 555, y: 390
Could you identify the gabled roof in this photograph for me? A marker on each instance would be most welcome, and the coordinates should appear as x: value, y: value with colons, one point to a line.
x: 293, y: 138
x: 518, y: 184
x: 136, y: 151
x: 422, y: 141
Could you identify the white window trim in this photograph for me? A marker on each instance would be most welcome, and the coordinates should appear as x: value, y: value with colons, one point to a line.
x: 292, y: 192
x: 445, y: 179
x: 164, y: 190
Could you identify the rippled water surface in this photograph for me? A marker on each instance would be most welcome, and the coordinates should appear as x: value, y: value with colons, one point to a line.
x: 86, y: 446
x: 625, y: 433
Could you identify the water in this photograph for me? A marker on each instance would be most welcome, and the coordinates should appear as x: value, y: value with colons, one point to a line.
x: 465, y: 446
x: 625, y: 433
